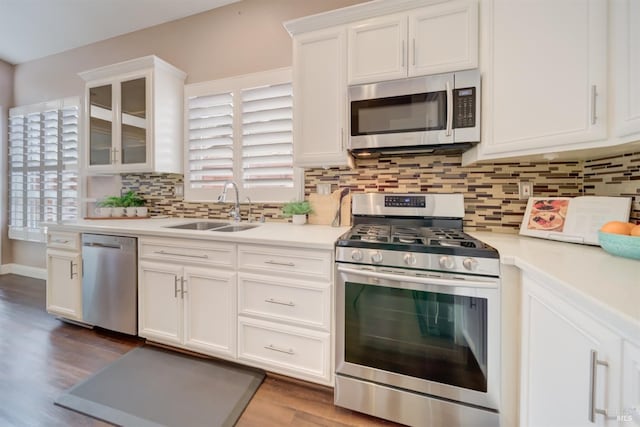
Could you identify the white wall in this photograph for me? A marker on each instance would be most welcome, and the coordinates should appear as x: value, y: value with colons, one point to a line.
x: 6, y: 101
x: 241, y: 38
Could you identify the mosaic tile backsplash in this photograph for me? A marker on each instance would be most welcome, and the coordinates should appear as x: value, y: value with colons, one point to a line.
x: 490, y: 190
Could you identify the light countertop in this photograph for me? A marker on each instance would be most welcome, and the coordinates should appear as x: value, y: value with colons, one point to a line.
x: 606, y: 286
x: 270, y: 233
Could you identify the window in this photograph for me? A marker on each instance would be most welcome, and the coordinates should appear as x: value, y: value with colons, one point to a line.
x: 43, y: 166
x: 240, y: 129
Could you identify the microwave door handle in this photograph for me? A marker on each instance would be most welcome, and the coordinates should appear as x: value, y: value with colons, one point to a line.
x: 449, y: 110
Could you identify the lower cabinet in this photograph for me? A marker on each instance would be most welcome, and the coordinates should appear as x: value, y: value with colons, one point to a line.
x: 571, y: 364
x: 64, y: 275
x: 285, y: 311
x: 297, y: 352
x: 630, y: 412
x: 190, y: 307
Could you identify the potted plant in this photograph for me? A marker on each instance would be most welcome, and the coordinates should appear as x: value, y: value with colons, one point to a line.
x: 297, y: 211
x: 109, y: 206
x: 134, y: 204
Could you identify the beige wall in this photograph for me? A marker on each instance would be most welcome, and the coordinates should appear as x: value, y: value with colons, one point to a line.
x: 6, y: 101
x: 241, y: 38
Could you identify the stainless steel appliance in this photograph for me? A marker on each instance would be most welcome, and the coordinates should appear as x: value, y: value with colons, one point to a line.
x: 110, y: 282
x: 436, y: 113
x: 418, y: 314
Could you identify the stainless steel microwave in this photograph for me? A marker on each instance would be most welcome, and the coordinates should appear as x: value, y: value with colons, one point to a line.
x: 436, y: 113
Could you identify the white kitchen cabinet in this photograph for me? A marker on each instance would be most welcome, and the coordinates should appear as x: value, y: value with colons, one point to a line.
x: 630, y: 408
x: 183, y: 300
x: 285, y: 311
x: 133, y: 117
x: 319, y: 102
x: 544, y: 69
x: 431, y: 40
x: 625, y: 54
x: 64, y: 275
x: 570, y: 363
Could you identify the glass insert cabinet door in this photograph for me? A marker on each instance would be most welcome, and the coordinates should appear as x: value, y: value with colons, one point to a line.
x: 133, y: 121
x: 100, y: 125
x: 118, y: 123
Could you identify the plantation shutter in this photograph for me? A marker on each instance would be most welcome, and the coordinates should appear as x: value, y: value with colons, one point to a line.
x: 267, y: 136
x: 240, y: 129
x: 210, y: 140
x: 43, y: 167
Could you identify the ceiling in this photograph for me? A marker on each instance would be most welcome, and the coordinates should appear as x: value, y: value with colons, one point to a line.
x: 32, y: 29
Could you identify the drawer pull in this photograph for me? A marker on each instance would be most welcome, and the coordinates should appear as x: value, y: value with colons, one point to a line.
x: 64, y: 242
x: 162, y: 252
x: 279, y: 350
x: 286, y: 264
x: 275, y: 301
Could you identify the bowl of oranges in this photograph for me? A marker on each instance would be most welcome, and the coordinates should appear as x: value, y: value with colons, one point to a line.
x: 621, y: 239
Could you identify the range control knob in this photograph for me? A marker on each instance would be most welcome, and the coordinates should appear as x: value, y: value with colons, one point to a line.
x: 447, y: 262
x: 356, y: 255
x: 376, y: 257
x: 470, y: 264
x: 410, y: 259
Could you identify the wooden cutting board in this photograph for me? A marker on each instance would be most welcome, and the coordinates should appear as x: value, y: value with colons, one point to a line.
x: 325, y: 207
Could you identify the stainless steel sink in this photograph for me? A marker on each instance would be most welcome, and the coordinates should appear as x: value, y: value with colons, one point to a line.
x: 199, y: 225
x: 234, y: 228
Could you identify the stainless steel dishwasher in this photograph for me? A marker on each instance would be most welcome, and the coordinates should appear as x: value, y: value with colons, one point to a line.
x: 110, y: 282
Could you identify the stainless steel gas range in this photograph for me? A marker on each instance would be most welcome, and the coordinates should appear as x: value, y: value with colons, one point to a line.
x: 418, y: 314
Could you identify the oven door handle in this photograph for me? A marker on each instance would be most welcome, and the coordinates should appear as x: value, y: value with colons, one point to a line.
x: 421, y: 280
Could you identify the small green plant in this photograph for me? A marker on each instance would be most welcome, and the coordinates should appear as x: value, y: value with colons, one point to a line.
x: 111, y: 202
x: 296, y: 208
x: 131, y: 199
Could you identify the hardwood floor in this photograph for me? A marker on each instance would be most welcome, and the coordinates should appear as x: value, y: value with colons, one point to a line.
x: 41, y: 356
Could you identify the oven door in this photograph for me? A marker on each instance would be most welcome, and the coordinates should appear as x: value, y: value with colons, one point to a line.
x: 433, y: 335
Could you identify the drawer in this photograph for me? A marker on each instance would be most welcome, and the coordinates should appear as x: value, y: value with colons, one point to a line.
x: 296, y: 352
x: 311, y: 264
x: 63, y: 240
x: 297, y: 302
x: 198, y: 252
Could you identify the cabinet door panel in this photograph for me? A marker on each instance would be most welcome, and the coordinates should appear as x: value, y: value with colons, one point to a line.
x: 133, y: 121
x: 377, y: 49
x: 626, y: 65
x: 546, y: 64
x: 100, y: 125
x: 443, y: 38
x: 630, y: 410
x: 556, y: 363
x: 159, y: 302
x: 319, y: 85
x: 64, y: 286
x: 210, y: 311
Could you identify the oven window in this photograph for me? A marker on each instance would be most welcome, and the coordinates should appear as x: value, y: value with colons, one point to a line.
x: 433, y: 336
x: 397, y: 114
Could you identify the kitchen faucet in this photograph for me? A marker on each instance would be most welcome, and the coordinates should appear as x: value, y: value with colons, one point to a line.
x: 235, y: 212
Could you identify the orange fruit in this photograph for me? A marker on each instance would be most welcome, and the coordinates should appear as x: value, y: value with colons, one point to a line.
x: 635, y: 231
x: 617, y: 227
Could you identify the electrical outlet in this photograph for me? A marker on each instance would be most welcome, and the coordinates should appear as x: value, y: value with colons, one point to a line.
x: 525, y: 189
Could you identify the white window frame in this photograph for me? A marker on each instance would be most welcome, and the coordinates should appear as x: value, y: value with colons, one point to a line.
x: 26, y: 231
x: 236, y: 85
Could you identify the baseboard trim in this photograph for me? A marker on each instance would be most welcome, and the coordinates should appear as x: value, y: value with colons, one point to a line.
x: 24, y: 270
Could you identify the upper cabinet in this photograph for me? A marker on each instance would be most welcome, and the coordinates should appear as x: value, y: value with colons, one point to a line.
x: 319, y: 87
x: 625, y: 54
x: 435, y: 39
x: 544, y: 66
x: 133, y: 117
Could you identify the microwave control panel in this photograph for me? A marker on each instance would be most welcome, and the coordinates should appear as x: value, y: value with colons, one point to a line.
x: 464, y: 107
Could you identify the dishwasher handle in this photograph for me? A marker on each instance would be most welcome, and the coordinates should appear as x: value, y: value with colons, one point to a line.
x: 101, y: 245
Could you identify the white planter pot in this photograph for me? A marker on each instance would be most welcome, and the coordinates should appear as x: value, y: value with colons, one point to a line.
x: 130, y: 211
x: 117, y: 212
x: 142, y: 211
x: 103, y: 212
x: 299, y: 219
